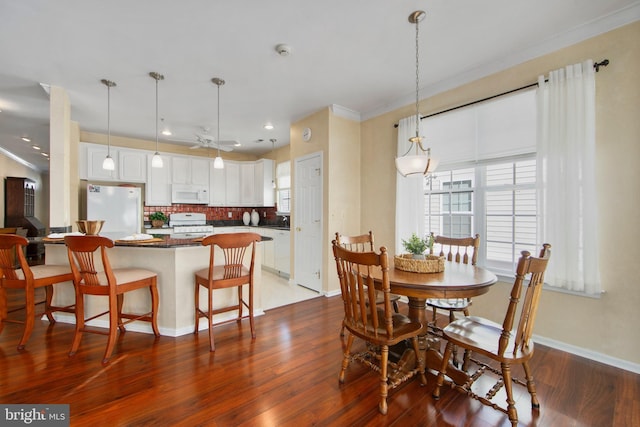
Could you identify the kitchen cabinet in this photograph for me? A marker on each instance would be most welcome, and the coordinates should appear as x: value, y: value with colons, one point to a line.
x: 217, y: 186
x: 268, y: 248
x: 232, y: 183
x: 282, y: 251
x: 188, y: 170
x: 130, y: 165
x: 264, y: 180
x: 247, y: 184
x: 158, y: 188
x: 95, y: 155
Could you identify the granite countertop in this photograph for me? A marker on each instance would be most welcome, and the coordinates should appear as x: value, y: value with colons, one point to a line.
x: 159, y: 241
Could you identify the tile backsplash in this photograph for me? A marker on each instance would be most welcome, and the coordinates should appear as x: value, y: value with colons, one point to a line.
x: 267, y: 215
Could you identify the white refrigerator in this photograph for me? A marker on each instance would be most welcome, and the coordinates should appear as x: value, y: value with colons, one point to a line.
x: 119, y: 207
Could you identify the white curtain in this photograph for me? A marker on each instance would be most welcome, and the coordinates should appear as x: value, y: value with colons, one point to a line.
x: 566, y: 177
x: 409, y: 190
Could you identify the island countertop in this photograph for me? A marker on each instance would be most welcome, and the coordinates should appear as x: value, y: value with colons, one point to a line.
x: 158, y: 241
x: 175, y: 266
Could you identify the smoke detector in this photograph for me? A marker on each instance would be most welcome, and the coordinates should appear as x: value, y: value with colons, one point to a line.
x: 283, y: 49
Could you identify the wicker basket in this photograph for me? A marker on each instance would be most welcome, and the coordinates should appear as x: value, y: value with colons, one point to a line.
x: 432, y: 263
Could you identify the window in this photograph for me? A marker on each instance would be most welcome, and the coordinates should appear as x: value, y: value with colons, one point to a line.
x: 496, y: 200
x: 486, y: 181
x: 283, y: 184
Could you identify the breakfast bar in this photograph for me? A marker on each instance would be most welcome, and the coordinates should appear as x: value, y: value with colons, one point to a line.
x: 175, y: 261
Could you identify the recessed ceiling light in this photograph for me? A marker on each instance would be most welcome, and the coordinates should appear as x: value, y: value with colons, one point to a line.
x: 25, y: 139
x: 35, y: 147
x: 268, y: 126
x: 45, y: 154
x: 166, y: 132
x: 237, y: 144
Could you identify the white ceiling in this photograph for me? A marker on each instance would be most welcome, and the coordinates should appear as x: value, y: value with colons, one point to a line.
x: 357, y: 54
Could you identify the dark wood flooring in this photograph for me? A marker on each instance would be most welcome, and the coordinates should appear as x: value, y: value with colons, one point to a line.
x: 288, y: 376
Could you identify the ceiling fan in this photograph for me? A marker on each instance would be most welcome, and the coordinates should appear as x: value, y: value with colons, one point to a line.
x: 205, y: 140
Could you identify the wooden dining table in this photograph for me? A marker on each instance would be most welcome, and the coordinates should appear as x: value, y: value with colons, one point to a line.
x: 458, y: 280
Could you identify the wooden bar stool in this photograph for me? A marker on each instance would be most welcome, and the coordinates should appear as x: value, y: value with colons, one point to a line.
x: 15, y: 273
x: 112, y: 283
x: 232, y: 273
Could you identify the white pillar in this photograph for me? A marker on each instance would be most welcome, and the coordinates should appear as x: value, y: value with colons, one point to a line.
x: 59, y: 159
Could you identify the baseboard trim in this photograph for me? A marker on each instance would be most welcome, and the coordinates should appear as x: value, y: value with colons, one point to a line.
x: 589, y: 354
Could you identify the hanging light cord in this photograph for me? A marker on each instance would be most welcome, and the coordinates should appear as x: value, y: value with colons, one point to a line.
x: 218, y: 131
x: 417, y: 79
x: 108, y: 119
x: 156, y: 115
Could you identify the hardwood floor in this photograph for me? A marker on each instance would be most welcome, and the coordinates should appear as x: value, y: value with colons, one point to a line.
x: 288, y: 376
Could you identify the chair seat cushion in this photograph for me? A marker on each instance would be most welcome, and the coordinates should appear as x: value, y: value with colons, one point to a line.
x: 42, y: 271
x: 483, y: 336
x: 126, y: 275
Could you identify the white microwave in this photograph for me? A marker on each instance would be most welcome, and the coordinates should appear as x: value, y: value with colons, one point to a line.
x: 189, y: 194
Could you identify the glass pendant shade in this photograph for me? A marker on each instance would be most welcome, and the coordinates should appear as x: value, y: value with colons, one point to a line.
x: 156, y: 161
x: 218, y: 163
x: 415, y: 164
x: 108, y: 163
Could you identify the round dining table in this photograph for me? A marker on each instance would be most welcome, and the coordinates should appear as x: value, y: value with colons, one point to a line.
x: 458, y: 280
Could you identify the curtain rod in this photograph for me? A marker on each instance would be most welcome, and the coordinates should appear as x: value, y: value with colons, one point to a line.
x: 596, y: 65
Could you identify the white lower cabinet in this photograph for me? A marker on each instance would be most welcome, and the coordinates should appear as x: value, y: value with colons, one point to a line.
x: 268, y: 249
x: 282, y: 251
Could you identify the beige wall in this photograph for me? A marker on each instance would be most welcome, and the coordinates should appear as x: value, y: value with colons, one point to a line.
x: 605, y: 325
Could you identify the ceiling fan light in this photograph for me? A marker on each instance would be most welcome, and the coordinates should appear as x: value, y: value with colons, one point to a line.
x: 218, y: 163
x: 108, y: 163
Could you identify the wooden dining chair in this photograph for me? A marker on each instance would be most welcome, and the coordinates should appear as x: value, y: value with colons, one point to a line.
x: 15, y: 273
x: 380, y: 327
x: 507, y: 344
x: 109, y: 282
x: 229, y: 273
x: 364, y: 243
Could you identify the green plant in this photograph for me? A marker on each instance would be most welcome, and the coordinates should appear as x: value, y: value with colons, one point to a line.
x: 158, y: 216
x: 415, y: 245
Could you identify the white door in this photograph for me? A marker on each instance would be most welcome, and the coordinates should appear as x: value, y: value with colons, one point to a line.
x: 308, y: 221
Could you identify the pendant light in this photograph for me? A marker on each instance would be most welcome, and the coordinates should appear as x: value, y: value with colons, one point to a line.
x: 156, y: 161
x: 218, y: 163
x: 420, y: 162
x: 108, y: 163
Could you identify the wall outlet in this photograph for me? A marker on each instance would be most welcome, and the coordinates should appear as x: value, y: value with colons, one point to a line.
x: 230, y: 215
x: 264, y: 214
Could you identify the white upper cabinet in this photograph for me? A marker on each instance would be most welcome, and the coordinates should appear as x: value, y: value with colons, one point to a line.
x: 264, y: 180
x: 247, y: 184
x: 232, y: 183
x: 187, y: 170
x: 217, y: 186
x: 242, y: 184
x: 158, y: 188
x: 95, y: 155
x: 132, y: 165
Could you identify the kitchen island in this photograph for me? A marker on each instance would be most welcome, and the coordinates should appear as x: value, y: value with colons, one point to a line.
x: 175, y: 261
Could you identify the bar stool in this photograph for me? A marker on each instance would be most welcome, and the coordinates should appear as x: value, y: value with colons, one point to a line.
x: 15, y: 273
x: 111, y: 283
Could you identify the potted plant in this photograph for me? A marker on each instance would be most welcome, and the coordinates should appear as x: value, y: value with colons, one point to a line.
x: 158, y: 219
x: 417, y: 246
